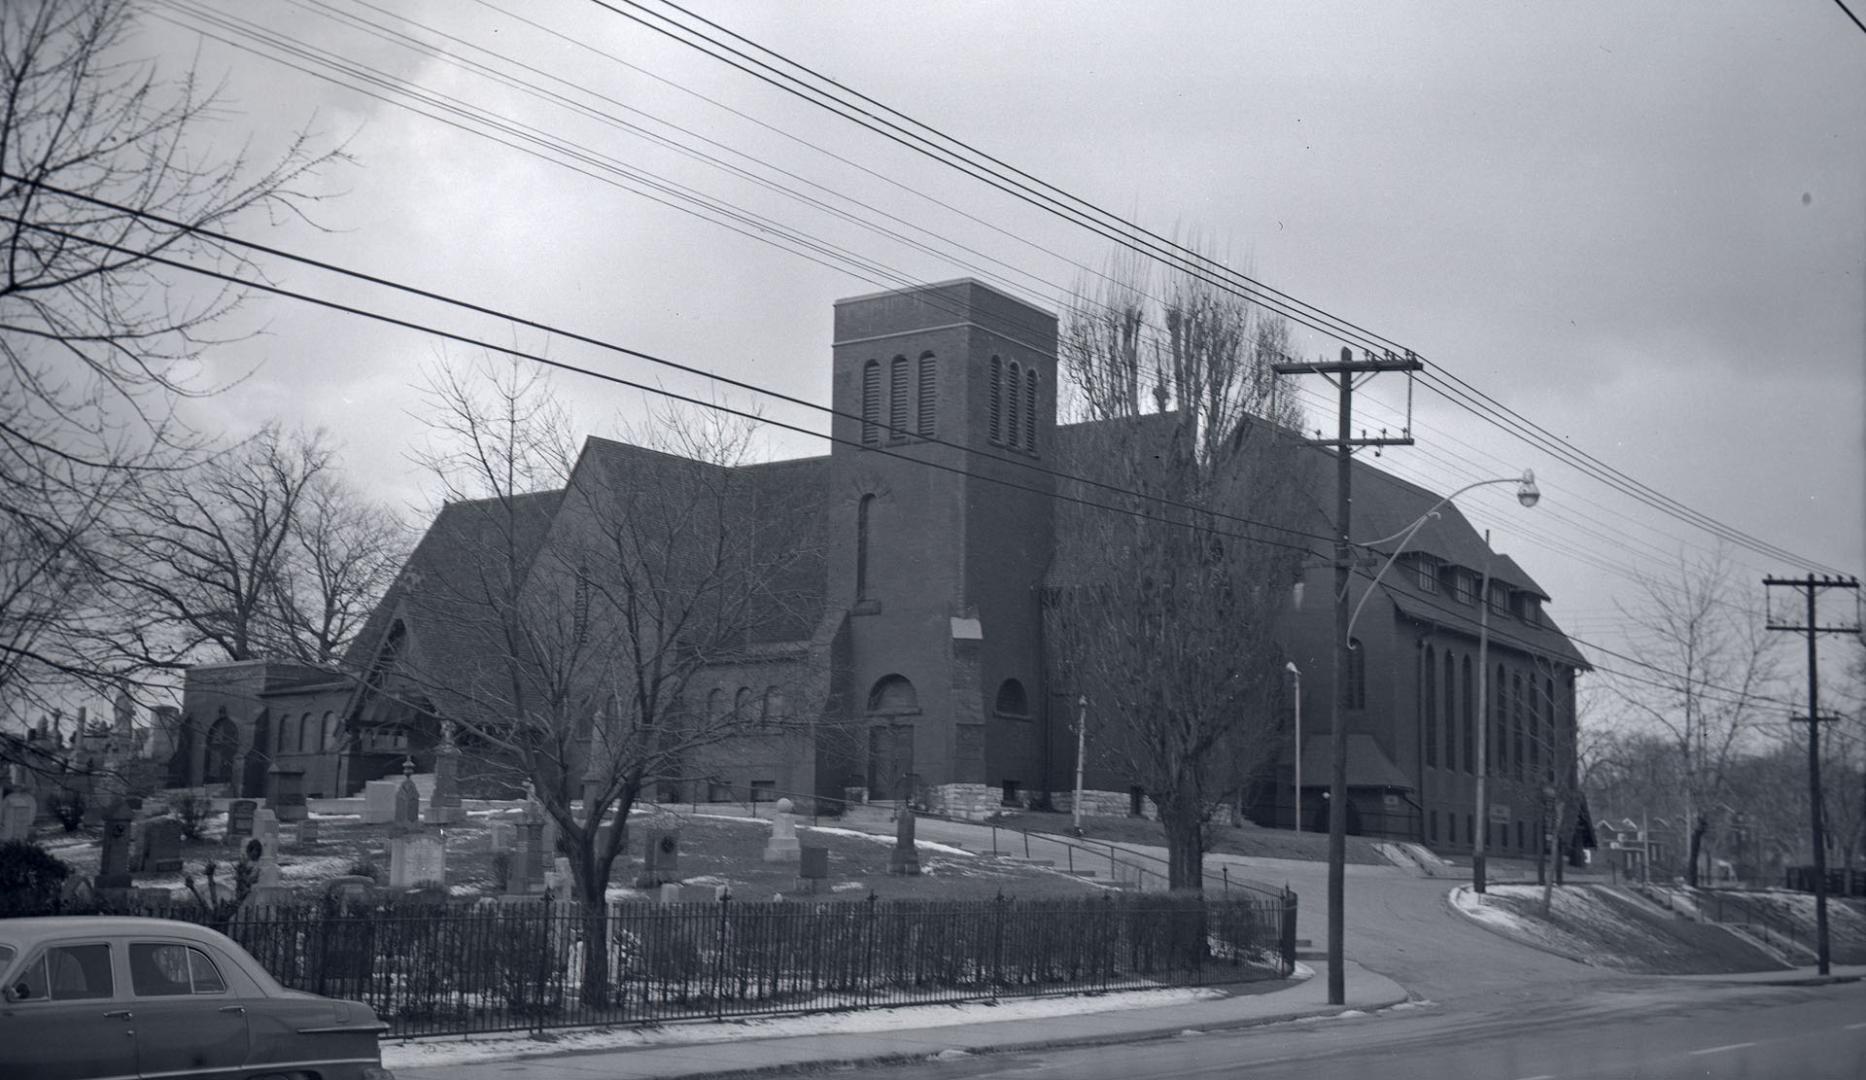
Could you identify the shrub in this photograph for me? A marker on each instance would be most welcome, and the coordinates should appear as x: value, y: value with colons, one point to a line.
x: 194, y: 810
x: 30, y: 879
x: 67, y: 805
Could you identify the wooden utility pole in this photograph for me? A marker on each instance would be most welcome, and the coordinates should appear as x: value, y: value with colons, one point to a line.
x: 1811, y: 588
x: 1342, y: 374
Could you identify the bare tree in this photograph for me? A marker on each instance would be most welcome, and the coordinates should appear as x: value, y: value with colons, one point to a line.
x: 1712, y: 662
x: 1164, y: 616
x: 104, y: 167
x: 655, y: 564
x: 341, y: 557
x: 198, y: 560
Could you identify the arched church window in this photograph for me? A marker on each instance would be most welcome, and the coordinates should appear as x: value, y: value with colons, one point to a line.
x: 893, y: 694
x: 897, y: 399
x: 1030, y: 409
x: 862, y: 511
x: 773, y: 706
x: 929, y: 394
x: 742, y: 705
x: 716, y: 706
x: 997, y: 400
x: 871, y: 403
x: 307, y: 732
x: 1011, y: 699
x: 1011, y: 410
x: 327, y: 734
x: 1428, y: 706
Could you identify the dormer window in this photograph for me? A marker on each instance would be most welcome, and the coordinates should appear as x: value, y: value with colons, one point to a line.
x: 1499, y: 598
x: 1426, y: 568
x: 1464, y: 586
x: 1528, y: 608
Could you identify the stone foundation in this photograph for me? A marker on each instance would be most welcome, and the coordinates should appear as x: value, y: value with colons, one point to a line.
x: 1102, y: 804
x: 971, y: 802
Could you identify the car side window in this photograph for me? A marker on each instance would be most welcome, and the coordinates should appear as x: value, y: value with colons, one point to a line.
x: 79, y: 972
x: 158, y: 969
x: 32, y: 984
x: 207, y: 978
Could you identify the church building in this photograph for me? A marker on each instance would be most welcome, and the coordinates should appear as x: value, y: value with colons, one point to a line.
x: 918, y: 618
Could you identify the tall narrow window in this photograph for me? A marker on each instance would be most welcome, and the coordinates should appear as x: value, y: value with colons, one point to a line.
x: 1030, y: 409
x: 1356, y: 688
x: 1517, y: 722
x: 1451, y: 713
x: 997, y: 400
x: 1428, y: 706
x: 897, y: 399
x: 929, y: 394
x: 1011, y: 410
x: 1536, y: 734
x: 871, y: 403
x: 862, y: 510
x: 1470, y: 726
x: 742, y: 705
x: 1499, y: 755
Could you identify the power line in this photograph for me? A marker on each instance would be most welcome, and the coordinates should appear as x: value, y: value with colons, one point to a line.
x: 1149, y: 244
x: 1849, y: 13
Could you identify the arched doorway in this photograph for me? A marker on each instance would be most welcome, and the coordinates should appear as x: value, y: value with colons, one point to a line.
x: 892, y: 704
x: 258, y: 758
x: 223, y: 747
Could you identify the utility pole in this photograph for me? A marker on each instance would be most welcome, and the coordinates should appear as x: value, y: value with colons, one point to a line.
x: 1811, y: 588
x: 1482, y: 839
x: 1342, y: 374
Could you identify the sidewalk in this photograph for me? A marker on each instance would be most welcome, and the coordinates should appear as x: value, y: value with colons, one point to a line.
x: 920, y: 1034
x: 1801, y: 976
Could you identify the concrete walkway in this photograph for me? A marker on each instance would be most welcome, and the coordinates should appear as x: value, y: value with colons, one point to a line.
x: 736, y: 1055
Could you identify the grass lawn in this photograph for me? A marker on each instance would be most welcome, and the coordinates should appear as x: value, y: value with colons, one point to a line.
x: 714, y: 851
x: 1223, y: 839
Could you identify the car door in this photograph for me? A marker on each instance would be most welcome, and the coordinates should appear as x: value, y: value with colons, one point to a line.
x: 64, y: 1018
x: 187, y: 1021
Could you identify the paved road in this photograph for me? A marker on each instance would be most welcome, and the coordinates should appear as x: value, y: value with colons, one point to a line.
x: 1638, y: 1029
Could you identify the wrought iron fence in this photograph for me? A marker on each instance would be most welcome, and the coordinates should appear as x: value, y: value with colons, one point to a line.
x: 445, y: 969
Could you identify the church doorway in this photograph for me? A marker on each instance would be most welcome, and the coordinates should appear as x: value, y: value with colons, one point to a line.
x: 223, y: 746
x: 891, y: 761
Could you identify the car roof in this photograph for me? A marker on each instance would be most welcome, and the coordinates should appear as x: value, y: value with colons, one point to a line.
x: 30, y: 931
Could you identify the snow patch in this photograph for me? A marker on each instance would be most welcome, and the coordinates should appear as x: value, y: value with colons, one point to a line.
x: 888, y: 841
x: 457, y: 1051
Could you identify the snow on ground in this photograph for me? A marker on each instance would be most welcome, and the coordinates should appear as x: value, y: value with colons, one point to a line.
x: 888, y: 841
x: 1578, y: 907
x: 456, y: 1051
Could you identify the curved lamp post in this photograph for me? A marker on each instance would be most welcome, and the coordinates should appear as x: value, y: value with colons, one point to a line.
x: 1528, y: 495
x: 1297, y: 672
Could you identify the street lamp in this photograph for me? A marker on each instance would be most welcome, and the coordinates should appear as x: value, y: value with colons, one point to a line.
x: 1297, y: 672
x: 1528, y: 495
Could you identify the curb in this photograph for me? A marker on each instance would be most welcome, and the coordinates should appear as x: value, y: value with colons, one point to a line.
x: 1038, y: 1044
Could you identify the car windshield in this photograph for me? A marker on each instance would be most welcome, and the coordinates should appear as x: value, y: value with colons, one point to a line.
x: 6, y: 955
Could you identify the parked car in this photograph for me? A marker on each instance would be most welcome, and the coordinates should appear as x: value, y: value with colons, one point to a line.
x: 100, y: 996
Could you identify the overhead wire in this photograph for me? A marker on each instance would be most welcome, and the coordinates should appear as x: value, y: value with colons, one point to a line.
x: 1452, y: 387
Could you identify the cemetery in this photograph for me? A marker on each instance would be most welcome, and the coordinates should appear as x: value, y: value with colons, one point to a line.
x: 463, y: 919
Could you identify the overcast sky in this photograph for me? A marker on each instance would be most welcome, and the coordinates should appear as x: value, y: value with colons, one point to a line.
x: 1641, y: 226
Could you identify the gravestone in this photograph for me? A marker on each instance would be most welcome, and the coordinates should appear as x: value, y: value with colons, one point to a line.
x: 407, y: 801
x: 308, y: 833
x: 350, y: 888
x: 240, y: 820
x: 782, y: 847
x: 113, y: 867
x: 417, y: 859
x: 660, y: 858
x: 444, y: 806
x: 526, y: 866
x: 812, y: 867
x: 158, y: 848
x: 904, y: 859
x: 379, y: 801
x: 266, y: 831
x: 288, y: 794
x: 16, y: 813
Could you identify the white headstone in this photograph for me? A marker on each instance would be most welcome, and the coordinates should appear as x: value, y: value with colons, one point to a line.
x: 417, y: 859
x: 379, y: 801
x: 783, y: 846
x: 266, y: 831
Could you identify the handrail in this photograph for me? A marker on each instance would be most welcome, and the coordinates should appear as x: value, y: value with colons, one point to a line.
x: 1127, y: 857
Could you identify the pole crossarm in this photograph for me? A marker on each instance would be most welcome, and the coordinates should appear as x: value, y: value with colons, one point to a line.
x: 1811, y: 587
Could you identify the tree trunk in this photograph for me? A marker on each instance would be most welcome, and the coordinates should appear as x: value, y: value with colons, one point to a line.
x: 1185, y: 844
x: 1698, y: 827
x: 1552, y: 849
x: 595, y: 989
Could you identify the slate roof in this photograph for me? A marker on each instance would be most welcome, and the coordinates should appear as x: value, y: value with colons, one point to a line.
x: 1368, y: 765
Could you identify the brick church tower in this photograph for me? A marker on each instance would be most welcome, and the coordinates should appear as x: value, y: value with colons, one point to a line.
x: 939, y: 566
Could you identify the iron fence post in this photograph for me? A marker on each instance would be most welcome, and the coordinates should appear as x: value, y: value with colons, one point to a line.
x: 719, y: 961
